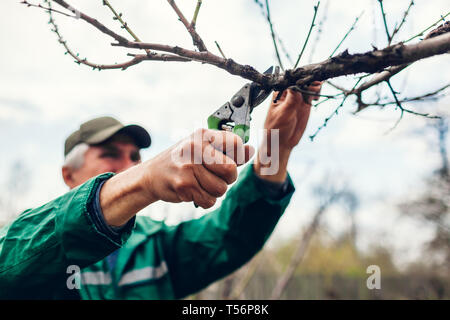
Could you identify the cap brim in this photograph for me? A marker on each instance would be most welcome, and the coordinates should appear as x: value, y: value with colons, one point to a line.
x: 140, y: 135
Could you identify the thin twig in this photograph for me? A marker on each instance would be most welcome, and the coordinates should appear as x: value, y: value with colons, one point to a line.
x: 312, y: 93
x: 319, y: 31
x: 94, y: 22
x: 325, y: 100
x: 428, y: 28
x: 272, y: 32
x: 335, y: 112
x: 198, y: 42
x: 394, y: 94
x: 389, y: 37
x: 348, y: 32
x: 220, y: 49
x: 283, y: 48
x: 49, y: 9
x: 125, y: 26
x: 397, y: 29
x: 118, y: 16
x: 399, y: 105
x: 425, y: 97
x: 278, y: 39
x: 336, y: 86
x: 197, y: 9
x: 316, y: 8
x: 374, y: 23
x: 403, y: 110
x: 97, y: 66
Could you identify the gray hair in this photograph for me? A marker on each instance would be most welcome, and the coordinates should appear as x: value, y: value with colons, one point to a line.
x: 75, y: 158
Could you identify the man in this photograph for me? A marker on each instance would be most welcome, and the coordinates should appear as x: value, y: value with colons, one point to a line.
x: 94, y: 229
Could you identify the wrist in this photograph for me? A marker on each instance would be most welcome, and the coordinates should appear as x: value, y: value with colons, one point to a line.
x: 284, y: 155
x: 272, y: 166
x: 124, y: 195
x: 148, y: 180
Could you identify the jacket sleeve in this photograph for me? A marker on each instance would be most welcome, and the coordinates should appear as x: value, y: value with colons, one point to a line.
x: 201, y: 251
x: 37, y: 248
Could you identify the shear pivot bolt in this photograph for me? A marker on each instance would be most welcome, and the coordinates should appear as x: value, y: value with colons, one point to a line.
x: 238, y: 101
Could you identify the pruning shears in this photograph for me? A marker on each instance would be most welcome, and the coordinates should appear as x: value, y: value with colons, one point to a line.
x: 234, y: 115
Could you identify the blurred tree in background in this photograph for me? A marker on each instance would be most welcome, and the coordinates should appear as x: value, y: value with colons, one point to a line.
x: 14, y: 188
x: 433, y: 208
x: 323, y: 267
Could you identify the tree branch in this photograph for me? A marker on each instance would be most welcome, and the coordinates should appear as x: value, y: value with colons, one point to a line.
x: 390, y: 72
x: 389, y: 37
x: 434, y: 95
x: 197, y: 10
x: 426, y: 29
x: 272, y: 32
x: 118, y: 16
x: 335, y: 112
x: 397, y: 29
x: 198, y: 42
x: 316, y: 8
x: 48, y: 9
x: 340, y: 65
x: 98, y: 66
x: 346, y: 35
x: 368, y: 62
x: 277, y: 37
x: 93, y: 22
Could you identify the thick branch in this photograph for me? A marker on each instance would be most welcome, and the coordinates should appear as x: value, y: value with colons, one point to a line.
x: 369, y: 62
x: 343, y: 64
x: 245, y: 71
x: 380, y: 77
x: 390, y: 72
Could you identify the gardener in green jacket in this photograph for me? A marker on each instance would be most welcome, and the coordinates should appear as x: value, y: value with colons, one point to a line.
x: 90, y: 244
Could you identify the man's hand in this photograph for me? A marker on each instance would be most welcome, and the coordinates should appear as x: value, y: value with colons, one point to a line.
x: 199, y: 168
x: 289, y: 115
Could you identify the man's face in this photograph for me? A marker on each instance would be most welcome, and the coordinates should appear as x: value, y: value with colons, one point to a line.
x: 114, y: 155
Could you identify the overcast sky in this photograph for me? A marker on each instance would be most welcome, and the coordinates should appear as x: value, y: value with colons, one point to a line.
x: 44, y: 96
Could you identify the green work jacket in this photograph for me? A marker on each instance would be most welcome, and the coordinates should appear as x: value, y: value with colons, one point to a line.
x: 43, y: 249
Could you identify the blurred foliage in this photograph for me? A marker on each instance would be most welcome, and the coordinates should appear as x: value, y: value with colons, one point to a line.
x: 433, y: 207
x: 331, y: 269
x: 339, y: 257
x: 336, y: 269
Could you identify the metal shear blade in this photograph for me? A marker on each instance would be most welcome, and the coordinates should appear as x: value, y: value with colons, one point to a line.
x: 235, y: 114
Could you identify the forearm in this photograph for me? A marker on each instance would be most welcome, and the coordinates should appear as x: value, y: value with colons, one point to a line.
x: 37, y: 247
x: 124, y: 195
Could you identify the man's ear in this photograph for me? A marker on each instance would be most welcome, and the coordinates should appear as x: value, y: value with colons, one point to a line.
x: 67, y: 174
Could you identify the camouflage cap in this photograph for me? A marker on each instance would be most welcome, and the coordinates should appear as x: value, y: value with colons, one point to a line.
x: 101, y: 129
